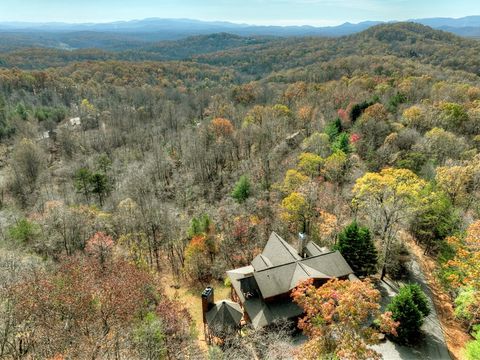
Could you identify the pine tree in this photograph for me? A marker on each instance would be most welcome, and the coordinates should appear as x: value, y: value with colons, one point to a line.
x: 100, y: 185
x: 242, y: 189
x: 356, y: 245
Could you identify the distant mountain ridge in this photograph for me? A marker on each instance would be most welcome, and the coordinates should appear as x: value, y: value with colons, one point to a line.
x: 168, y: 29
x: 153, y: 34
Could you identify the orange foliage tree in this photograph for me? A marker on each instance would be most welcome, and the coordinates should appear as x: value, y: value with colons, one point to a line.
x: 337, y: 317
x: 222, y: 127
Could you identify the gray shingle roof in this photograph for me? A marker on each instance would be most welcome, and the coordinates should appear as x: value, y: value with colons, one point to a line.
x: 224, y: 315
x: 262, y: 313
x: 332, y: 264
x: 278, y: 251
x: 261, y: 262
x: 277, y: 271
x: 312, y: 249
x: 281, y: 279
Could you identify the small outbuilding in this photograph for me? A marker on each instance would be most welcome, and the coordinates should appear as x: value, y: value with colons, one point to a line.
x: 221, y: 318
x: 224, y: 316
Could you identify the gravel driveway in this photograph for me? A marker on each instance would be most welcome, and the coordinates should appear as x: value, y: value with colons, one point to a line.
x: 433, y: 345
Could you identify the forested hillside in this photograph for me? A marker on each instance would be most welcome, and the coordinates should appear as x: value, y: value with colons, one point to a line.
x: 261, y: 56
x: 126, y: 181
x: 135, y: 50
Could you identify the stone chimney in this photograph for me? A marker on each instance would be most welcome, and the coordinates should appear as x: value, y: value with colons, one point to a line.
x: 207, y: 302
x: 302, y: 241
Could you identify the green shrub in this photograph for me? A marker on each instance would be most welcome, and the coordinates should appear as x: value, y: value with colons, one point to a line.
x: 472, y: 350
x: 23, y: 231
x: 405, y: 309
x: 149, y: 338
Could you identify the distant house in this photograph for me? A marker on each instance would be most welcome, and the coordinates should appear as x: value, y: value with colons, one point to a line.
x: 263, y: 288
x: 44, y: 135
x: 75, y: 122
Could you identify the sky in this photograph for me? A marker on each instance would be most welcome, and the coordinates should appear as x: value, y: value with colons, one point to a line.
x: 264, y: 12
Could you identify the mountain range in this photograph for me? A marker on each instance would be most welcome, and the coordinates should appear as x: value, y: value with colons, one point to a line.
x: 133, y: 34
x: 170, y: 28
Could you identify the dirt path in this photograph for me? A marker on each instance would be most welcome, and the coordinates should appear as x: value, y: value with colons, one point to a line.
x: 455, y: 335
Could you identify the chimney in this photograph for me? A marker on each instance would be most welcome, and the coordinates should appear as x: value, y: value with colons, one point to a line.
x: 302, y: 241
x: 207, y: 302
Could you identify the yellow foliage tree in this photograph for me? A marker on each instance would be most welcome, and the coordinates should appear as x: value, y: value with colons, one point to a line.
x: 388, y: 198
x: 335, y: 167
x: 454, y: 181
x: 414, y: 117
x: 310, y: 164
x: 293, y: 181
x: 297, y: 211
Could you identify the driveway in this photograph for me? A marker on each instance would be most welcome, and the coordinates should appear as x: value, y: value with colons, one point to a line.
x: 432, y: 346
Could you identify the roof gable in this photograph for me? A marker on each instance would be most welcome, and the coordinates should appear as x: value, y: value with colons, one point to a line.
x: 281, y: 279
x: 278, y: 251
x: 261, y: 262
x: 312, y: 249
x: 332, y: 264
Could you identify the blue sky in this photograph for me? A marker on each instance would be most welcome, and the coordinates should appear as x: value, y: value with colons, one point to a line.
x: 277, y: 12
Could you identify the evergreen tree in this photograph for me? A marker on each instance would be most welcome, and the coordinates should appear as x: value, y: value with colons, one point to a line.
x: 419, y: 298
x: 333, y: 129
x: 199, y: 226
x: 356, y: 245
x: 82, y: 181
x: 341, y: 143
x: 406, y: 311
x: 99, y: 185
x: 88, y: 182
x: 242, y: 189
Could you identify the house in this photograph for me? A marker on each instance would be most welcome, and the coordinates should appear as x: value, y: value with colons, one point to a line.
x: 44, y: 135
x: 263, y: 288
